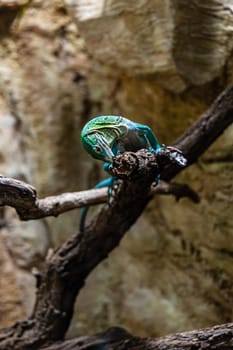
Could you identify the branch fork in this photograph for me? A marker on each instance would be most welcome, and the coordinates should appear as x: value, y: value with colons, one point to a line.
x: 67, y: 267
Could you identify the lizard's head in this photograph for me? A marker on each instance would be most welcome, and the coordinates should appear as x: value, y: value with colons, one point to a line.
x: 97, y: 146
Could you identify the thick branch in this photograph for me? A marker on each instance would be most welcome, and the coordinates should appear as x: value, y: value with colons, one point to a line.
x: 197, y: 139
x: 215, y: 338
x: 66, y: 269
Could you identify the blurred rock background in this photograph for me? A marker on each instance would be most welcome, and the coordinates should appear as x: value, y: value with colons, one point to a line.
x: 161, y: 63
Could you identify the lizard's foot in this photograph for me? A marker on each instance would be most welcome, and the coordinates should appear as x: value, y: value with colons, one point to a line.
x: 173, y: 154
x: 177, y: 156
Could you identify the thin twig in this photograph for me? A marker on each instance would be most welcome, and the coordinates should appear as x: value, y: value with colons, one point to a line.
x: 23, y: 198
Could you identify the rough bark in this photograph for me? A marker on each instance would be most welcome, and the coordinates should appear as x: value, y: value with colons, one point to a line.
x: 180, y: 34
x: 205, y: 130
x: 68, y: 266
x: 215, y: 338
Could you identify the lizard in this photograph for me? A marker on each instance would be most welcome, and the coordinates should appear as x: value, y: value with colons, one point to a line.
x: 107, y: 136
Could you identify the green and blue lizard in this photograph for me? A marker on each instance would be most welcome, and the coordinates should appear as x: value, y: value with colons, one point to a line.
x: 105, y: 137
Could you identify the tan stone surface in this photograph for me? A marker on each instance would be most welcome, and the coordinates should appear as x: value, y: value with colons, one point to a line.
x: 13, y: 3
x: 11, y: 305
x: 178, y: 42
x: 40, y: 104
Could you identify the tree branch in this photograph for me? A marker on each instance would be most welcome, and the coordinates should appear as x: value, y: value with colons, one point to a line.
x: 68, y: 266
x: 197, y: 139
x: 217, y: 338
x: 23, y: 198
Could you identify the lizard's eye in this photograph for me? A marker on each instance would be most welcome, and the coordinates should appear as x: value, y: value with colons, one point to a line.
x: 97, y: 149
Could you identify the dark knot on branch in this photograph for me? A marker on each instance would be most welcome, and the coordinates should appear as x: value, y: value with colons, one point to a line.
x: 131, y: 165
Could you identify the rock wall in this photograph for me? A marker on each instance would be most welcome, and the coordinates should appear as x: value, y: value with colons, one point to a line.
x: 159, y: 63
